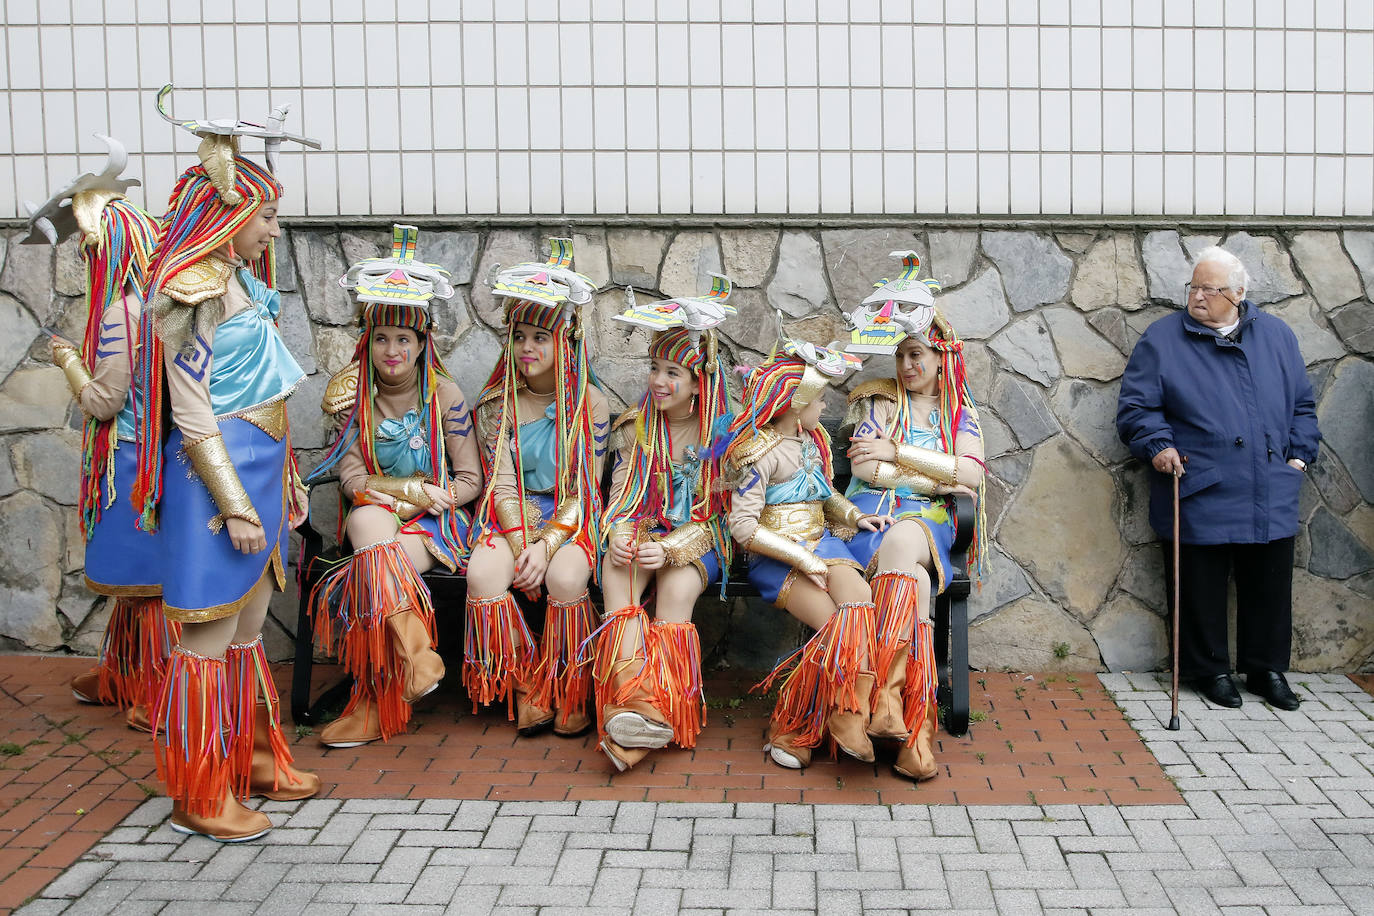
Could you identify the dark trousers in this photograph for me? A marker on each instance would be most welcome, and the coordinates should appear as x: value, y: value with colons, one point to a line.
x: 1264, y: 606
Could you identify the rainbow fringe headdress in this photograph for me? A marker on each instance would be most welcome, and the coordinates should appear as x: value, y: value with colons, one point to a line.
x: 903, y: 307
x: 684, y: 333
x: 552, y: 296
x: 116, y: 242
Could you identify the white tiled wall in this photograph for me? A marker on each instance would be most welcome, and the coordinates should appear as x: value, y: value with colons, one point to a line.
x: 719, y: 106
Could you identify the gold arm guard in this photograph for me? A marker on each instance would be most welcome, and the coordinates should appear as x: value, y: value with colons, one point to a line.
x: 842, y: 515
x: 890, y: 476
x: 510, y: 517
x: 68, y: 359
x: 685, y: 545
x: 767, y: 542
x: 566, y: 520
x: 212, y: 464
x: 938, y: 466
x: 402, y: 489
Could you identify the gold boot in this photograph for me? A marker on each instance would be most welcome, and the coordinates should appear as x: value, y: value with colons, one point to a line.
x: 917, y: 759
x: 888, y: 721
x: 359, y: 724
x: 849, y: 729
x: 233, y: 824
x: 273, y: 778
x: 421, y: 666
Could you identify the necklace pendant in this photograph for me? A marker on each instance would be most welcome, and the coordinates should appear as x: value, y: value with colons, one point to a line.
x: 417, y: 443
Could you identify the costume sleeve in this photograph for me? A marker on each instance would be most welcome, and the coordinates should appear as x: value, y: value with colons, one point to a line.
x: 869, y: 417
x: 1303, y: 434
x: 352, y: 470
x: 460, y: 441
x: 104, y: 396
x: 746, y: 504
x: 188, y: 388
x: 620, y: 472
x: 601, y: 430
x: 1140, y: 419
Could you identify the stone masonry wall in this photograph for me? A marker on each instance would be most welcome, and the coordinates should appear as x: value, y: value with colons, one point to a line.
x: 1075, y: 578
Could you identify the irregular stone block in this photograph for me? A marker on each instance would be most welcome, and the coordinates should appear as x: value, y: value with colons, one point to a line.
x: 1034, y: 270
x: 1355, y: 324
x: 307, y: 421
x: 616, y: 338
x: 69, y: 271
x: 623, y: 379
x: 20, y: 331
x: 1026, y: 347
x: 295, y: 330
x: 334, y: 347
x: 452, y: 318
x: 31, y: 552
x: 28, y: 616
x: 456, y: 252
x: 77, y: 601
x: 319, y: 266
x: 362, y: 243
x: 1023, y: 637
x: 798, y: 286
x: 997, y: 436
x: 1166, y: 269
x: 1076, y: 563
x: 1077, y: 242
x: 1359, y: 244
x: 1326, y: 268
x: 755, y: 328
x: 1346, y: 418
x: 1137, y: 322
x: 28, y: 275
x: 1111, y: 324
x: 823, y: 329
x: 73, y: 542
x: 748, y: 254
x: 473, y: 358
x: 1315, y: 340
x: 635, y: 256
x: 1333, y: 627
x: 1270, y: 267
x: 1143, y: 576
x: 979, y: 370
x: 36, y: 397
x: 1022, y: 407
x: 506, y: 247
x: 1088, y: 413
x: 687, y: 267
x: 47, y: 462
x: 978, y: 309
x: 1110, y: 274
x: 1002, y: 583
x: 7, y: 482
x: 1012, y: 469
x: 284, y: 278
x: 1081, y: 352
x: 1132, y: 510
x: 1333, y: 482
x: 855, y: 259
x: 1336, y: 553
x: 1129, y: 637
x: 1193, y: 244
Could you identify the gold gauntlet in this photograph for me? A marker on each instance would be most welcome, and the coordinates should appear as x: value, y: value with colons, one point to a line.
x: 767, y: 542
x: 511, y: 518
x: 68, y: 359
x: 564, y: 524
x: 890, y: 476
x: 687, y: 544
x: 842, y: 515
x: 939, y: 467
x: 401, y: 489
x: 211, y: 461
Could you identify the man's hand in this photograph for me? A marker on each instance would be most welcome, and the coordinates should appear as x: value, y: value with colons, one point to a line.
x: 1168, y: 462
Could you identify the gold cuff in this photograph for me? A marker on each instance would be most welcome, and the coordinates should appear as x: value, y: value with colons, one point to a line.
x: 212, y: 464
x: 890, y: 476
x: 68, y: 359
x: 768, y: 543
x: 938, y: 466
x: 405, y: 511
x: 405, y: 489
x: 566, y: 520
x: 842, y: 515
x: 685, y: 544
x: 511, y: 518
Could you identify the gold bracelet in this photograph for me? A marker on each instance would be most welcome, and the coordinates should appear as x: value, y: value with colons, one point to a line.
x: 511, y: 517
x: 68, y: 359
x: 685, y: 544
x: 407, y: 489
x: 928, y: 462
x: 842, y: 515
x: 890, y: 476
x: 212, y: 464
x: 768, y: 543
x: 564, y: 524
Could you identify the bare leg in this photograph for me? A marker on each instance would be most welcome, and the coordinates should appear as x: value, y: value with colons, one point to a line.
x: 905, y: 547
x: 491, y: 568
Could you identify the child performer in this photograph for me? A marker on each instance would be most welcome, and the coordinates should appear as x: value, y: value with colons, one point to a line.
x: 544, y: 424
x: 407, y: 461
x: 665, y: 528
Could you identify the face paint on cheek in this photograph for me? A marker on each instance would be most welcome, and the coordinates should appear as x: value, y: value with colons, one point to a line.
x: 920, y: 369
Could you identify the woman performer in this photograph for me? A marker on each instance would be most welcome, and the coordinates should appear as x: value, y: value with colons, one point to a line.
x: 223, y: 483
x: 915, y: 442
x: 786, y: 513
x: 544, y: 424
x: 665, y: 527
x: 407, y: 460
x: 122, y: 562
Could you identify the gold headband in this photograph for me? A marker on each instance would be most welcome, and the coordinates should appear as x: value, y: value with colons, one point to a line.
x: 812, y: 384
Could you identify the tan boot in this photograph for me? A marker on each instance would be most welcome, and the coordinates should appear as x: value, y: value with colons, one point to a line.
x: 277, y: 780
x: 530, y: 720
x: 360, y: 724
x: 917, y: 761
x: 784, y: 752
x: 622, y: 757
x: 887, y: 721
x: 233, y: 824
x: 86, y: 687
x: 850, y: 729
x: 137, y: 719
x: 572, y: 725
x: 421, y: 665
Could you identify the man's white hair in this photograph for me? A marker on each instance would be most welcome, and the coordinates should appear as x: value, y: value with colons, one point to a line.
x: 1237, y: 277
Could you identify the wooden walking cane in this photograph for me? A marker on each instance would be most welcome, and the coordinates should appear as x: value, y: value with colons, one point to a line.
x: 1173, y: 717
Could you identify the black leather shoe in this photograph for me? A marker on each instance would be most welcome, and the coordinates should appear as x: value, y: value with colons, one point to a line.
x: 1220, y: 689
x: 1273, y: 687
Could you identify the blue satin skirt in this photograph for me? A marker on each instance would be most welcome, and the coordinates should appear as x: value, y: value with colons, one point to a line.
x: 939, y: 532
x: 205, y: 578
x: 121, y: 559
x: 709, y: 569
x: 446, y: 536
x: 774, y: 578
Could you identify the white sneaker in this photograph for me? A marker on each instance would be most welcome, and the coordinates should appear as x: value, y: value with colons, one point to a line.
x: 620, y: 765
x: 782, y: 758
x: 630, y: 729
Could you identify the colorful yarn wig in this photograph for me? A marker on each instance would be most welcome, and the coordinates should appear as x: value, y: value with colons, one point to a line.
x: 768, y: 391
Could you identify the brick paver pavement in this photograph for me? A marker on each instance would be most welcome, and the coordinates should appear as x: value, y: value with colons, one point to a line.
x: 1277, y: 818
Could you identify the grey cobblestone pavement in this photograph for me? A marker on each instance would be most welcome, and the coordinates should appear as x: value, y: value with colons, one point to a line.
x: 1278, y: 819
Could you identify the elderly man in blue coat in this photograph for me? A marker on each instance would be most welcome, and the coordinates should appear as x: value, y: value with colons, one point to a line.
x: 1218, y: 395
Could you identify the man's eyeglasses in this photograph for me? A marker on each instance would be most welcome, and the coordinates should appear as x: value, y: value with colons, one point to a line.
x: 1190, y: 290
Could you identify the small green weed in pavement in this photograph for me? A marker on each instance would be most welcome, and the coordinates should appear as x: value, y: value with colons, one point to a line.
x: 10, y: 749
x: 1061, y: 650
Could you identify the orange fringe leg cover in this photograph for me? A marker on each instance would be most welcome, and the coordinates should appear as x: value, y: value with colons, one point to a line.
x: 133, y: 652
x: 895, y: 595
x: 189, y: 725
x: 921, y: 686
x: 675, y: 655
x: 248, y: 672
x: 611, y: 665
x: 374, y: 583
x: 499, y: 651
x: 822, y: 675
x: 562, y: 682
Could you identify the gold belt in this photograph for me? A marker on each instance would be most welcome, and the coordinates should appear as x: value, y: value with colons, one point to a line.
x: 270, y: 418
x: 799, y: 521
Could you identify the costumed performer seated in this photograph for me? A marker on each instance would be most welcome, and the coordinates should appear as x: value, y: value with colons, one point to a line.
x: 407, y: 462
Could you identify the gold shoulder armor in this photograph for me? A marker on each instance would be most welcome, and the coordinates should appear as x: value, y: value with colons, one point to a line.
x: 342, y: 390
x: 878, y: 387
x: 628, y: 416
x: 764, y: 442
x: 207, y: 278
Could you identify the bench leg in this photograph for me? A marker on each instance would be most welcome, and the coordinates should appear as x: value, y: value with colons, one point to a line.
x: 301, y: 713
x: 956, y: 722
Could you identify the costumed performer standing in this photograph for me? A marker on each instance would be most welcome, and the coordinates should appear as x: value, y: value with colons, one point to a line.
x: 915, y: 441
x: 122, y: 562
x: 664, y: 526
x: 407, y: 461
x: 787, y: 515
x: 221, y: 481
x: 544, y: 424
